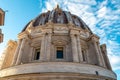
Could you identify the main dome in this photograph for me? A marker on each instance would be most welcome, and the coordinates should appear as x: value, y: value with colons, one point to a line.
x: 57, y: 45
x: 58, y: 16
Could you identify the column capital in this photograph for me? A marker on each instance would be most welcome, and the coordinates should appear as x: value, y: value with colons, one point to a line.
x: 103, y: 46
x: 47, y: 31
x: 22, y: 35
x: 94, y: 38
x: 74, y: 32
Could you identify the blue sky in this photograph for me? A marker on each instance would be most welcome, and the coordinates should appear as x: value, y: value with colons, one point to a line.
x: 102, y: 16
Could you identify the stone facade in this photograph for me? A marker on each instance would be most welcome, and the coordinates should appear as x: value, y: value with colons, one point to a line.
x: 56, y: 48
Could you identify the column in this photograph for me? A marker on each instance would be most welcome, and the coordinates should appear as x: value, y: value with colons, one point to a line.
x: 20, y: 52
x: 74, y: 48
x: 106, y: 60
x: 79, y: 49
x: 97, y: 52
x: 101, y: 55
x: 42, y: 52
x: 48, y: 46
x: 16, y: 53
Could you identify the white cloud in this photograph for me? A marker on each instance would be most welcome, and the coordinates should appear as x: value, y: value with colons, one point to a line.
x: 104, y: 3
x: 114, y: 60
x: 102, y: 12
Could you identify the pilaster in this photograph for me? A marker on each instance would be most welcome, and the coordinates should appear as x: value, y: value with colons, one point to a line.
x: 42, y: 52
x: 48, y: 46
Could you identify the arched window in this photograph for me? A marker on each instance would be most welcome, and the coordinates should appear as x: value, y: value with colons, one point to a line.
x: 37, y: 54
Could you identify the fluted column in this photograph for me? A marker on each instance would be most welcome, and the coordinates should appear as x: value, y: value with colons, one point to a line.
x: 48, y: 46
x: 79, y: 49
x: 74, y: 48
x: 20, y: 52
x: 16, y: 53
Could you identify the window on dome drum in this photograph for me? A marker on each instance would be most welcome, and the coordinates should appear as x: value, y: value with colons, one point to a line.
x: 59, y: 53
x: 83, y: 55
x: 37, y: 54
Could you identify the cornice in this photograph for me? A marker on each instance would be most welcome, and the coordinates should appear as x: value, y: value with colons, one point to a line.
x: 93, y: 37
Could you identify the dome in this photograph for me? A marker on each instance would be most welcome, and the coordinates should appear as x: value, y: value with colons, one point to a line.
x: 57, y: 45
x: 58, y: 16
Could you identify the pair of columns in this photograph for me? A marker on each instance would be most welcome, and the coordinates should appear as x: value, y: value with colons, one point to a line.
x: 45, y: 49
x: 18, y: 53
x: 98, y: 52
x: 76, y: 48
x: 77, y: 53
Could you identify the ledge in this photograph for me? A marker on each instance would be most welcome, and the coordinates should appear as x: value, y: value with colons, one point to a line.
x: 59, y: 67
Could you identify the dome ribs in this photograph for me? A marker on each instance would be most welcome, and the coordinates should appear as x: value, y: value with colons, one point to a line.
x: 59, y: 16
